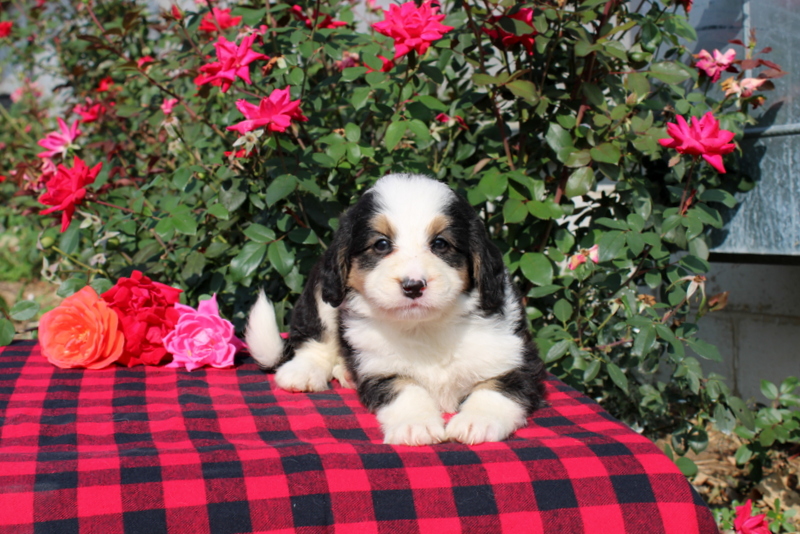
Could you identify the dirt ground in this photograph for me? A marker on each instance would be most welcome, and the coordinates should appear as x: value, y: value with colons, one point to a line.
x: 719, y: 480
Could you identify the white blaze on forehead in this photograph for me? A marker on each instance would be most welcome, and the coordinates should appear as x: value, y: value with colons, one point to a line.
x: 411, y: 202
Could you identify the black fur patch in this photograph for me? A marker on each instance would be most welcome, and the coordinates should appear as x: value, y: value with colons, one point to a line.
x: 487, y: 270
x: 525, y: 385
x: 377, y: 391
x: 350, y: 239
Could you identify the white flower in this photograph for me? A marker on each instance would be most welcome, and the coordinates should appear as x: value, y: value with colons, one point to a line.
x: 249, y: 139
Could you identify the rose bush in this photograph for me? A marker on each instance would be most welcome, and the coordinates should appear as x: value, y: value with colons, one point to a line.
x: 232, y: 136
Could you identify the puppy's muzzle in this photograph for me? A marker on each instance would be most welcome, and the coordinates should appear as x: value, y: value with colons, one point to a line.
x: 413, y: 288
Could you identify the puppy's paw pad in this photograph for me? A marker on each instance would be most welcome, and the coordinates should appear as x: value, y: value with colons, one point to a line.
x: 415, y: 433
x: 299, y: 375
x: 474, y: 428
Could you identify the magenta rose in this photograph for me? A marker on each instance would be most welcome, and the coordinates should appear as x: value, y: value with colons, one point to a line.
x: 146, y: 314
x: 201, y: 337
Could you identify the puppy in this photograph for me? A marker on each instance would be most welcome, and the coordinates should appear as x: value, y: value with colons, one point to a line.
x: 412, y: 304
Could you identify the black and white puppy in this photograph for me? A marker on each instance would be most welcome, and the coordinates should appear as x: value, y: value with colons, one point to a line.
x: 412, y: 305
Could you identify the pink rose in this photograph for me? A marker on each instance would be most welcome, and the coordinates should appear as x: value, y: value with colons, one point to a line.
x: 201, y: 337
x: 703, y: 137
x: 592, y: 253
x: 412, y: 27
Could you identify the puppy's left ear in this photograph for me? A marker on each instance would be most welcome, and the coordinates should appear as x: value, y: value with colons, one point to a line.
x: 488, y: 269
x: 336, y: 262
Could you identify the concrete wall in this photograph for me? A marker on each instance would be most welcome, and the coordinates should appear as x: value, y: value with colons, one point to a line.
x: 758, y: 333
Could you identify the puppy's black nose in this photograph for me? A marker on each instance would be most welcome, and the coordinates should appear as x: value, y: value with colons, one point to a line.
x: 413, y: 288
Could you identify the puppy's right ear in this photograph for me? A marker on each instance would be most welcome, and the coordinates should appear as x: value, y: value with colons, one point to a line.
x: 336, y: 262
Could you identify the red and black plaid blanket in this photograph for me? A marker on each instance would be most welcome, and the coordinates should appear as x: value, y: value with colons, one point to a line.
x: 148, y: 450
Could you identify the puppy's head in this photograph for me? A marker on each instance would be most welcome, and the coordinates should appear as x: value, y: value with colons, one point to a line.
x: 410, y: 247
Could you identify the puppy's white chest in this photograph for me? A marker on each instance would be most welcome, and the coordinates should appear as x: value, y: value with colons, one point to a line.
x: 447, y: 360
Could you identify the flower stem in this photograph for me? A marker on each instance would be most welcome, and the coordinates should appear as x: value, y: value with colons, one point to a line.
x: 71, y: 258
x: 685, y: 196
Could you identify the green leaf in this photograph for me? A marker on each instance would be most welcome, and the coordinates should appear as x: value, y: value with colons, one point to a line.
x: 247, y: 261
x: 360, y: 96
x: 743, y: 455
x: 280, y: 188
x: 742, y: 412
x: 485, y: 79
x: 351, y: 73
x: 559, y: 139
x: 250, y: 17
x: 514, y: 211
x: 259, y: 233
x: 768, y: 389
x: 704, y: 350
x: 24, y: 310
x: 543, y: 291
x: 617, y: 376
x: 394, y: 133
x: 579, y: 158
x: 557, y: 350
x: 579, y: 182
x: 219, y: 211
x: 670, y: 72
x: 71, y: 285
x: 611, y: 245
x: 181, y: 177
x: 69, y: 240
x: 184, y: 222
x: 524, y: 89
x: 562, y: 310
x: 644, y: 341
x: 537, y: 268
x: 687, y: 466
x: 6, y: 332
x: 280, y: 257
x: 493, y: 185
x: 352, y: 132
x: 724, y: 419
x: 767, y: 437
x: 101, y: 285
x: 591, y: 371
x: 606, y: 153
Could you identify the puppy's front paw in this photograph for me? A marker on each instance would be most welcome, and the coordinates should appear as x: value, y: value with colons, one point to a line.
x: 415, y: 431
x: 486, y: 415
x: 300, y: 374
x: 473, y: 428
x: 412, y: 418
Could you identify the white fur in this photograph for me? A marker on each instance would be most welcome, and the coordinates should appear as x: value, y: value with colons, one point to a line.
x: 412, y: 418
x: 411, y: 204
x: 448, y: 357
x: 486, y: 415
x: 311, y: 368
x: 262, y: 335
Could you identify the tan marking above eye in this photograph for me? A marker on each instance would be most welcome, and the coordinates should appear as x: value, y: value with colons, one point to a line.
x: 437, y: 226
x: 381, y: 224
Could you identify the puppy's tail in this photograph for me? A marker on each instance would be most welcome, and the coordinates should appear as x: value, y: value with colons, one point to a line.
x: 262, y: 336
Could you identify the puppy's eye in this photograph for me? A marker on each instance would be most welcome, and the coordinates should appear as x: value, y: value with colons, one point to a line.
x: 439, y: 245
x: 382, y: 246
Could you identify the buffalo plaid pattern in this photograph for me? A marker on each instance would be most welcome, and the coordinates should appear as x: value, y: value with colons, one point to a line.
x: 147, y: 450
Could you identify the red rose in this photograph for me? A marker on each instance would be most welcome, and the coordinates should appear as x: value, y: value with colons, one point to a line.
x: 506, y: 40
x: 146, y: 314
x: 66, y: 187
x: 5, y: 28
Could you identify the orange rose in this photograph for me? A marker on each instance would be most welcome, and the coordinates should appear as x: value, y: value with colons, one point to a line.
x: 81, y: 332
